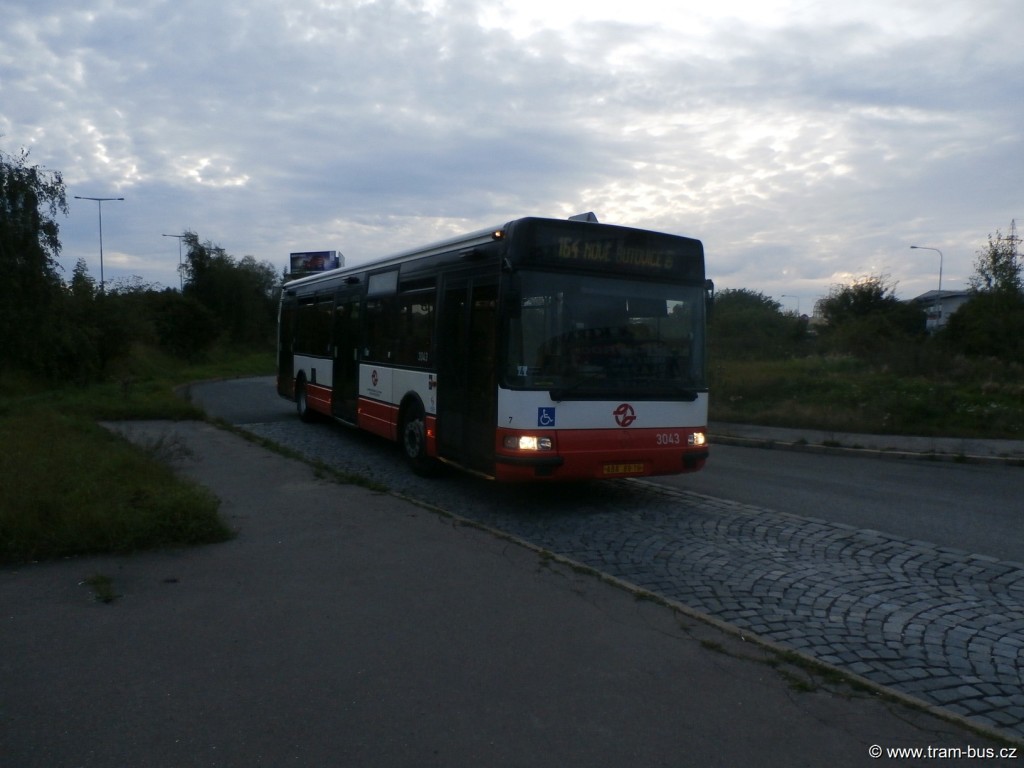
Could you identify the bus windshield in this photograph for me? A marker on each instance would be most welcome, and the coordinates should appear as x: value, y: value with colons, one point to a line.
x: 590, y: 337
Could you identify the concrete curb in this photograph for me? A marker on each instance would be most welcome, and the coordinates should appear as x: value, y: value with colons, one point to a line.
x: 878, y: 453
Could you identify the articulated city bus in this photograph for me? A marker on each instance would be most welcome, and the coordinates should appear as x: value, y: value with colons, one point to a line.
x: 541, y: 349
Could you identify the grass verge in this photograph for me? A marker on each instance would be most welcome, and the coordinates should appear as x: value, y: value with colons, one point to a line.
x: 847, y: 395
x: 69, y: 487
x: 72, y: 488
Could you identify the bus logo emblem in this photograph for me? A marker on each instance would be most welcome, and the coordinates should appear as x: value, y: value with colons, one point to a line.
x: 624, y: 415
x: 374, y: 378
x: 545, y: 417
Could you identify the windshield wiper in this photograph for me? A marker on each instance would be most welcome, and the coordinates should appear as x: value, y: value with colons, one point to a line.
x: 687, y: 393
x: 558, y: 393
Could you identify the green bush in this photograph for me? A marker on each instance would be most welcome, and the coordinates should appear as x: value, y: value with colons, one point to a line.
x: 866, y: 319
x: 989, y: 325
x: 184, y: 327
x: 747, y: 324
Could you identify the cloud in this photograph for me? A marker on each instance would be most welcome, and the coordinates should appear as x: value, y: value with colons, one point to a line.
x: 800, y: 142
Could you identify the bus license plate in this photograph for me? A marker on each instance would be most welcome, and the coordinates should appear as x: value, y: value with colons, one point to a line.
x: 624, y: 469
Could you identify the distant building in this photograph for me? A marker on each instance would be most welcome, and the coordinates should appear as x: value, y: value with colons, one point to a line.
x: 939, y: 305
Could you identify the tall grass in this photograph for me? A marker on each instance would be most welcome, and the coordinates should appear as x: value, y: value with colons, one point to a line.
x: 959, y: 399
x: 69, y: 487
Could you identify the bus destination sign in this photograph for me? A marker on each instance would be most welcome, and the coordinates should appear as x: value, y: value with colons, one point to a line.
x: 618, y: 249
x: 615, y: 252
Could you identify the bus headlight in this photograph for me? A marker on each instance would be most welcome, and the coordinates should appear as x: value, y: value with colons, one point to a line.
x: 528, y: 443
x: 697, y: 439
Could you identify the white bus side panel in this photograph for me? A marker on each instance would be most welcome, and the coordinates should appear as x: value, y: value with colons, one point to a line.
x: 318, y: 370
x: 531, y: 410
x: 391, y: 385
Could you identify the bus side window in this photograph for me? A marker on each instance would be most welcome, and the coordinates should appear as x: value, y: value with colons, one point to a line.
x: 324, y: 320
x: 381, y: 329
x: 305, y: 333
x: 415, y: 329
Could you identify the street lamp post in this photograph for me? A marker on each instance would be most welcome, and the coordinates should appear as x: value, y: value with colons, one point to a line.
x: 181, y: 281
x: 938, y: 296
x: 99, y: 204
x: 791, y: 296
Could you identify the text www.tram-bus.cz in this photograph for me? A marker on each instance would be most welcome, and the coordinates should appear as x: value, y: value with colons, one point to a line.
x: 944, y: 753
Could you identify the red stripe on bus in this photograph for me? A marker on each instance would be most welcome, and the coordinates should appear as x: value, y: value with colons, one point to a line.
x: 319, y: 398
x: 379, y: 418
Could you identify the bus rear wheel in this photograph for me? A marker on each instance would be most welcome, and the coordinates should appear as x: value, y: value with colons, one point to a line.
x: 413, y: 437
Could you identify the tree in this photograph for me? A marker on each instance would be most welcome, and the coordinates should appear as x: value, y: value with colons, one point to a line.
x: 865, y: 316
x: 998, y: 268
x: 991, y: 324
x: 30, y: 199
x: 184, y: 327
x: 747, y: 323
x: 83, y: 285
x: 241, y: 294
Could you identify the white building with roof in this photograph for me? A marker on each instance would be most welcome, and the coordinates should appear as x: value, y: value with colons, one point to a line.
x: 939, y: 305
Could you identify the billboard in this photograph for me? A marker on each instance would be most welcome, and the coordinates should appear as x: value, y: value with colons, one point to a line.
x: 307, y: 262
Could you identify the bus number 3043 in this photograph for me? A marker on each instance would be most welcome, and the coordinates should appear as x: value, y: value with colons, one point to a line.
x: 669, y: 438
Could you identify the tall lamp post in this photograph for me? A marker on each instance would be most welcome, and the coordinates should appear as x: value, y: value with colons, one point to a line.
x: 791, y: 296
x: 938, y: 296
x: 99, y: 204
x: 181, y: 280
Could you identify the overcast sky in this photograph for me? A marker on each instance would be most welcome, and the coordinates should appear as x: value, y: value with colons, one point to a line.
x: 806, y: 143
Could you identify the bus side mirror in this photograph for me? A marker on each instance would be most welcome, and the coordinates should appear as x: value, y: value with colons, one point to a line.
x: 709, y: 298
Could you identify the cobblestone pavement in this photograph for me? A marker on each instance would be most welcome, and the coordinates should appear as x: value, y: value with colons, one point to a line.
x: 941, y: 625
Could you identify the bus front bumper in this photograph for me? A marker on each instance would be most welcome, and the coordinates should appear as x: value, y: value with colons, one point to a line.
x: 603, y: 454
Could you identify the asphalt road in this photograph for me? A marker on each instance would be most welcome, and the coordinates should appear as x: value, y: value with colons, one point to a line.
x: 976, y: 507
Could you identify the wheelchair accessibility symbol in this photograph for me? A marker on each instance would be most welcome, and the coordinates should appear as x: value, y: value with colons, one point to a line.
x: 545, y: 417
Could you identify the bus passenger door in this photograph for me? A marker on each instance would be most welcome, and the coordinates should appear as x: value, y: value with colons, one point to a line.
x: 346, y: 357
x: 286, y: 348
x: 466, y: 375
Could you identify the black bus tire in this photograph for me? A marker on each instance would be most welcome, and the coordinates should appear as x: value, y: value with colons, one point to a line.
x: 302, y: 401
x: 412, y: 437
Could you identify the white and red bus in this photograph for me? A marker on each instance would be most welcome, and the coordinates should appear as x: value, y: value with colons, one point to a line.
x: 542, y: 349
